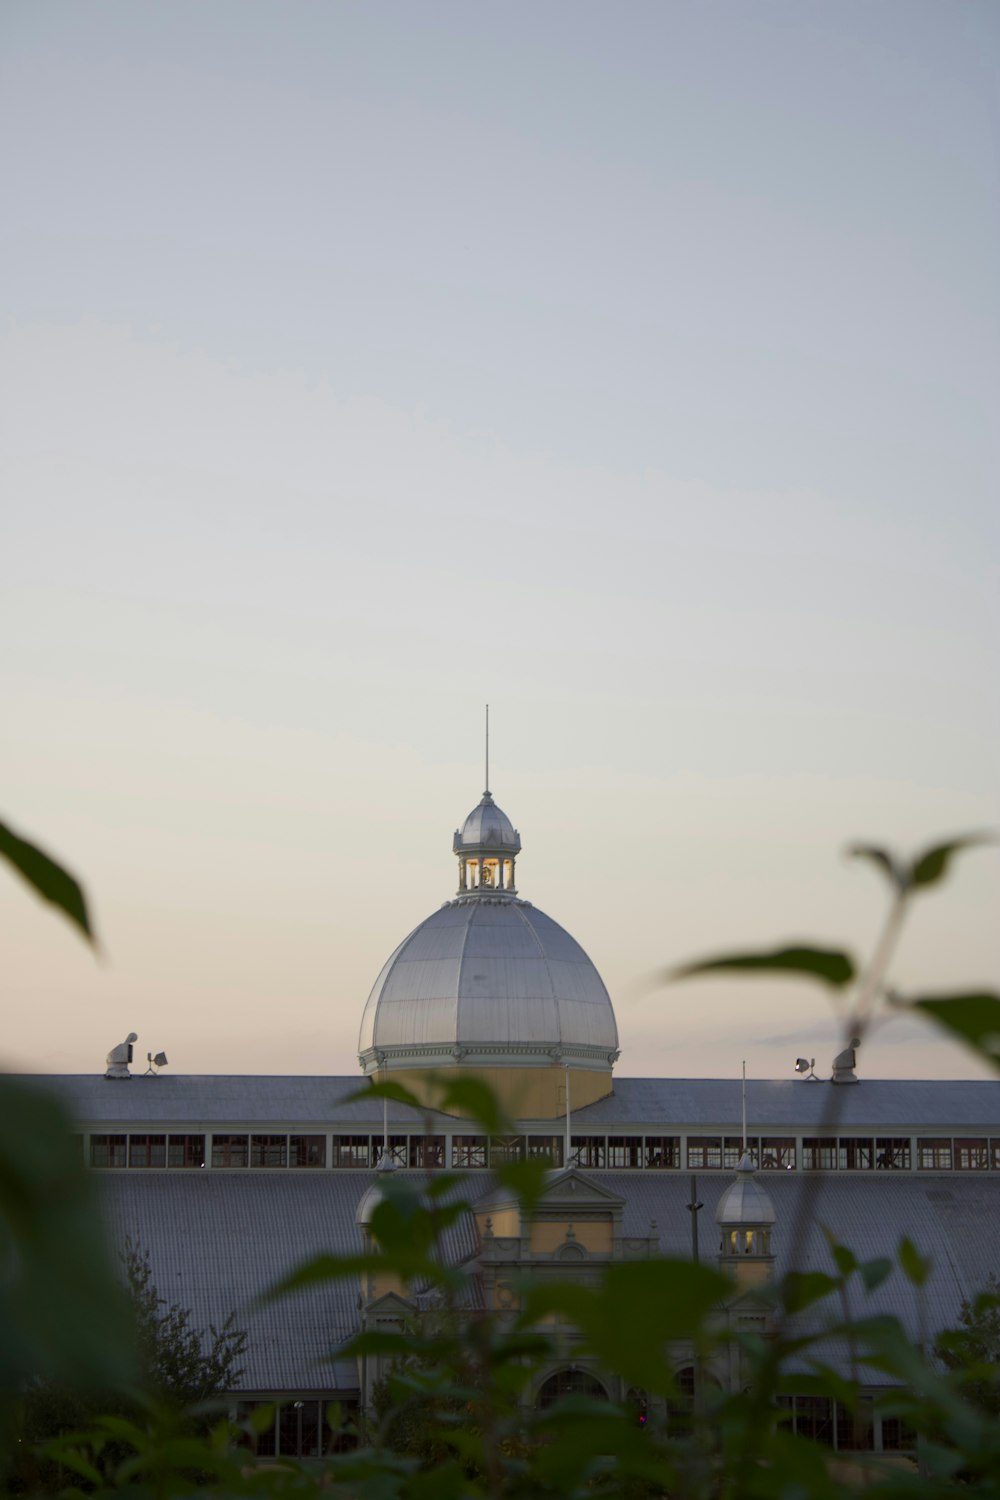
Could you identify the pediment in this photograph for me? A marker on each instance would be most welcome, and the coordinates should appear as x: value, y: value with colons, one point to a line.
x: 390, y: 1304
x: 574, y: 1190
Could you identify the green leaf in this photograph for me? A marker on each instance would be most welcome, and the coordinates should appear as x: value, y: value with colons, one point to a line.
x: 932, y: 865
x: 475, y: 1100
x: 47, y: 879
x: 802, y: 1288
x: 974, y: 1019
x: 526, y: 1178
x: 388, y: 1089
x: 916, y: 1267
x: 883, y: 860
x: 874, y: 1272
x: 828, y: 965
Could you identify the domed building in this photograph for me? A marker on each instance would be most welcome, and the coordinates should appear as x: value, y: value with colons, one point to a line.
x: 490, y: 984
x: 232, y: 1181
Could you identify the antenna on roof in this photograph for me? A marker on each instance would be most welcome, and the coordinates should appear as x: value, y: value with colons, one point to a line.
x: 744, y: 1106
x: 487, y: 784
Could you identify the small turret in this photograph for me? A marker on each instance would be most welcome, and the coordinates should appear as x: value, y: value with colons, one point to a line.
x: 745, y: 1216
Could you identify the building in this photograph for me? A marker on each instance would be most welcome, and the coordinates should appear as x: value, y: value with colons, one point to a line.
x: 228, y: 1182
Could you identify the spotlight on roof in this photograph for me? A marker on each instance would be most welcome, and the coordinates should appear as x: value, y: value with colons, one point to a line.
x: 119, y: 1058
x: 157, y: 1060
x: 806, y: 1065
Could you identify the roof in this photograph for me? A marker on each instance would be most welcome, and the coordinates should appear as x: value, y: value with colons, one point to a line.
x: 217, y: 1240
x: 486, y: 974
x: 654, y: 1105
x: 487, y: 826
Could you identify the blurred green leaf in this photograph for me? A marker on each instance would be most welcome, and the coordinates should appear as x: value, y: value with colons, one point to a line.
x: 47, y: 879
x: 883, y: 860
x: 874, y: 1272
x: 526, y: 1178
x: 801, y: 1289
x: 916, y: 1267
x: 828, y: 965
x: 973, y: 1018
x: 388, y: 1089
x: 475, y: 1100
x: 932, y: 865
x: 63, y: 1313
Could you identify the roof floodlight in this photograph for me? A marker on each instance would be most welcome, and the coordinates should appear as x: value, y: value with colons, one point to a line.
x: 806, y: 1065
x: 155, y: 1060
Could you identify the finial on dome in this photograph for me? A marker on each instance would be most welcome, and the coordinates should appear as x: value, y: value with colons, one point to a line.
x: 486, y: 792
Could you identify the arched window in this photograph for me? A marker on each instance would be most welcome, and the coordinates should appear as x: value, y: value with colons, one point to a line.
x: 569, y: 1383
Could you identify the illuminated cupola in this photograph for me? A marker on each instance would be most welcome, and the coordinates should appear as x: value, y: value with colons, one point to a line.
x: 745, y: 1216
x: 491, y: 985
x: 487, y: 845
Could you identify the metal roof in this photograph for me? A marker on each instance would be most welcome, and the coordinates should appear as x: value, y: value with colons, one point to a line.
x: 217, y: 1240
x: 487, y: 826
x: 485, y: 972
x: 636, y: 1105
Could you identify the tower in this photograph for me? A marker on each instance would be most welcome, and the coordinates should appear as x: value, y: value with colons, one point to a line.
x: 491, y: 985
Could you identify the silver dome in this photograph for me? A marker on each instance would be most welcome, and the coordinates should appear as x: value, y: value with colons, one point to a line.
x: 487, y: 826
x: 745, y: 1202
x: 488, y: 979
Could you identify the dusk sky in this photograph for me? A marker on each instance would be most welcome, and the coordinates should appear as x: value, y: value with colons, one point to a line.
x: 631, y: 367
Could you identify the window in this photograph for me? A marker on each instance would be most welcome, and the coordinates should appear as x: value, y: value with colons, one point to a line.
x: 269, y: 1151
x: 468, y: 1150
x: 307, y: 1151
x: 398, y: 1150
x: 732, y: 1150
x: 814, y: 1419
x: 972, y: 1154
x: 147, y: 1150
x: 108, y: 1150
x: 855, y: 1430
x: 680, y: 1407
x: 427, y: 1151
x: 185, y: 1151
x: 351, y: 1151
x: 299, y: 1429
x: 547, y: 1148
x: 230, y: 1151
x: 624, y: 1150
x: 506, y: 1148
x: 892, y: 1153
x: 704, y: 1151
x: 897, y: 1435
x: 663, y: 1151
x: 569, y: 1383
x: 587, y: 1150
x: 934, y: 1155
x: 818, y: 1155
x: 855, y: 1153
x: 995, y: 1155
x: 778, y: 1152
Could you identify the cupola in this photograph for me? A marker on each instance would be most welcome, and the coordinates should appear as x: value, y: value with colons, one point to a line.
x: 745, y: 1216
x: 487, y: 845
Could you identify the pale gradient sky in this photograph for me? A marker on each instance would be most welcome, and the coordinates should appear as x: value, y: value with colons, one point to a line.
x: 633, y: 367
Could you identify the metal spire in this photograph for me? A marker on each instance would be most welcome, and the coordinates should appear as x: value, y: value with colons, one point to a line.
x: 744, y: 1107
x: 487, y: 792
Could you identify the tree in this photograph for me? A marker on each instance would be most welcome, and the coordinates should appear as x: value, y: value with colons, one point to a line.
x: 183, y: 1371
x: 972, y: 1350
x: 184, y: 1366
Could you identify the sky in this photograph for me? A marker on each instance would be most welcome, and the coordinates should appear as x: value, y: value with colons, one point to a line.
x: 632, y: 368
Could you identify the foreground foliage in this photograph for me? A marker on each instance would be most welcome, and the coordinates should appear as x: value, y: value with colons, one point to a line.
x: 456, y: 1416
